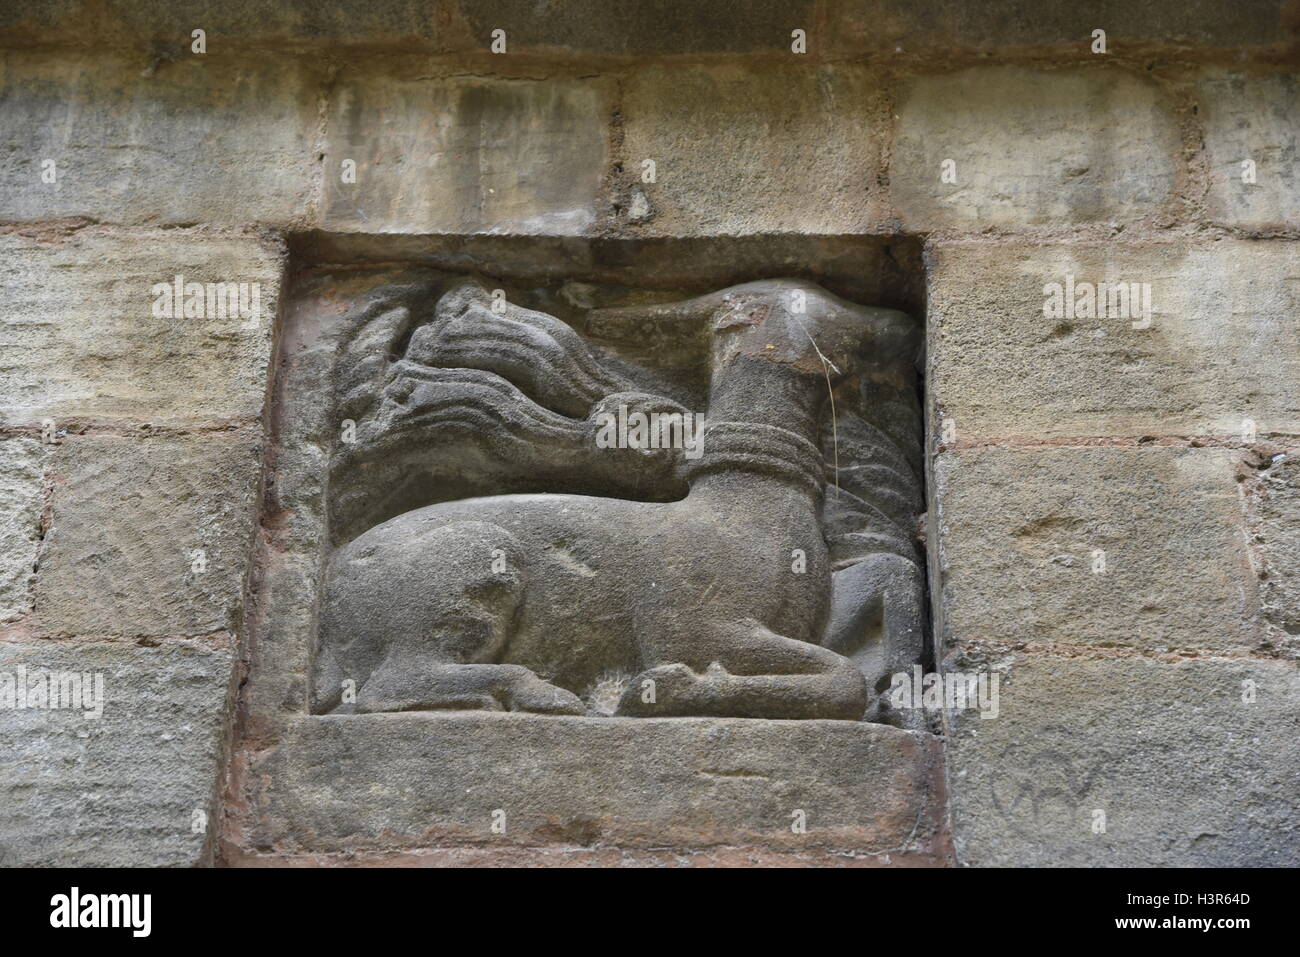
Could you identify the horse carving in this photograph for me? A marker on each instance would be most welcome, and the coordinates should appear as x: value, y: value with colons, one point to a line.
x: 642, y: 582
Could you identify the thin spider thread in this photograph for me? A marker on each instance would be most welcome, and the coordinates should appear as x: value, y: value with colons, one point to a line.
x: 827, y: 365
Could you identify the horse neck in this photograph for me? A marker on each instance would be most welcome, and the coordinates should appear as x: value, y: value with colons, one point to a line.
x: 760, y: 437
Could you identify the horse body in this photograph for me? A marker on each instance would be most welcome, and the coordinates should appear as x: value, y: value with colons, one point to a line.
x: 572, y: 588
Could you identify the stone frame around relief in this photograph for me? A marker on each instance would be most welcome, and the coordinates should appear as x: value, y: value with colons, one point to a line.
x: 313, y: 784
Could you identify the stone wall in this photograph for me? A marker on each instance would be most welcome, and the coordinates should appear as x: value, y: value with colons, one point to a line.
x: 1113, y: 504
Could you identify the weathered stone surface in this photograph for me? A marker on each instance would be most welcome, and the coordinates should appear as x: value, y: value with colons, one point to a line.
x: 122, y: 789
x: 1276, y: 534
x: 22, y: 467
x: 825, y: 167
x: 596, y: 28
x: 79, y: 341
x: 570, y: 855
x: 1185, y: 771
x: 887, y: 270
x: 777, y: 136
x: 235, y: 25
x: 1255, y: 117
x: 589, y: 28
x: 128, y: 516
x: 1031, y: 147
x: 419, y: 779
x: 197, y: 139
x: 891, y: 26
x: 1221, y: 349
x: 1018, y: 529
x: 464, y: 155
x: 576, y: 28
x: 592, y: 27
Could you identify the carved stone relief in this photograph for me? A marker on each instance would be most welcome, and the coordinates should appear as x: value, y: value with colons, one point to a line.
x: 694, y: 508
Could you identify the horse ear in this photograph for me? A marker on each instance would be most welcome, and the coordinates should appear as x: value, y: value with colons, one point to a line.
x: 894, y: 335
x: 748, y: 304
x: 684, y: 317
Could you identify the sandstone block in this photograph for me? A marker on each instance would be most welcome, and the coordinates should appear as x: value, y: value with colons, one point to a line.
x: 135, y: 787
x: 1109, y: 547
x: 148, y: 536
x: 464, y: 155
x: 1218, y: 354
x: 80, y: 343
x: 192, y: 139
x: 749, y: 149
x: 1252, y: 117
x: 1172, y: 760
x: 1030, y: 147
x: 410, y: 780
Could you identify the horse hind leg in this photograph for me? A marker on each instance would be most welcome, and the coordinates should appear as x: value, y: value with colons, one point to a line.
x: 879, y: 623
x: 424, y: 611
